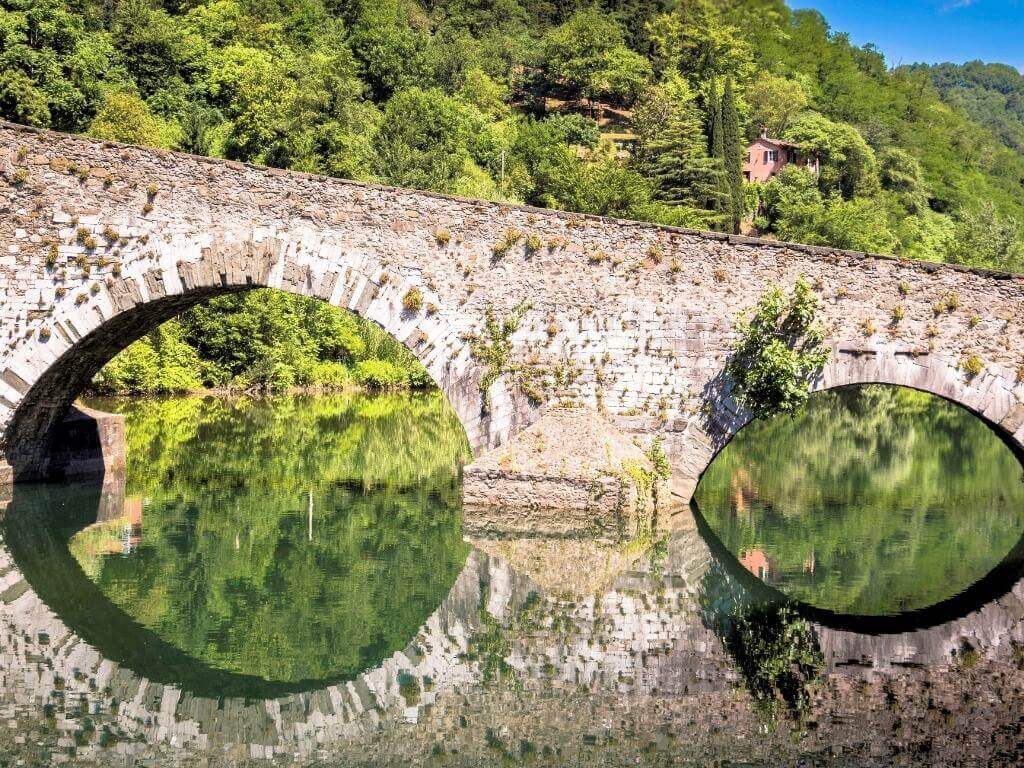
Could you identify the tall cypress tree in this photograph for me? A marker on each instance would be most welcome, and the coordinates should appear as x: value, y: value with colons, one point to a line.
x: 722, y: 200
x: 717, y: 147
x: 732, y: 156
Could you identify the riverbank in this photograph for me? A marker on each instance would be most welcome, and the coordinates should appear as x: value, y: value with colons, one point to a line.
x: 349, y: 388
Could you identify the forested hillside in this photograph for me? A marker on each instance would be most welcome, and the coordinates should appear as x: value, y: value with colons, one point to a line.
x: 992, y: 94
x: 633, y: 108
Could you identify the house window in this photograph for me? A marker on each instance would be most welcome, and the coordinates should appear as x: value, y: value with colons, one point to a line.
x: 791, y: 155
x: 746, y: 175
x: 771, y: 155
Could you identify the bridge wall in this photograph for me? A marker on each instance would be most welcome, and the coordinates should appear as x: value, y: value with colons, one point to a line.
x: 101, y: 242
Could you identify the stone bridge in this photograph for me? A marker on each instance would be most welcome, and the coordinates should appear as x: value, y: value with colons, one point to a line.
x: 102, y: 242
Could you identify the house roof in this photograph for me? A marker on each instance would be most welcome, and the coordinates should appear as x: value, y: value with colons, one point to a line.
x: 778, y: 142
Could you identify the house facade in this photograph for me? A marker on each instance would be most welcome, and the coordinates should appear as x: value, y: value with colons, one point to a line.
x: 766, y: 157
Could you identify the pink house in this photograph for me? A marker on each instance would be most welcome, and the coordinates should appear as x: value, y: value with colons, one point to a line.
x: 766, y: 157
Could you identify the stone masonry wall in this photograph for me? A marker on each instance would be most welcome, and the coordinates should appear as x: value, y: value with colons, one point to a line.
x: 100, y: 242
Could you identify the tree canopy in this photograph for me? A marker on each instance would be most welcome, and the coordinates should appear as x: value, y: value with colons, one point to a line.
x: 617, y: 107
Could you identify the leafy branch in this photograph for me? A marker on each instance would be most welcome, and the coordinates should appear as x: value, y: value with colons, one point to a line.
x: 779, y: 350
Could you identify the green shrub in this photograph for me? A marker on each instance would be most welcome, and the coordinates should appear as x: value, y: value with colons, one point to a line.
x: 331, y: 375
x: 778, y: 352
x: 381, y: 374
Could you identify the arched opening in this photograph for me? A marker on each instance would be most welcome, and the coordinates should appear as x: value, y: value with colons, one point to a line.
x: 57, y: 362
x: 875, y: 501
x: 256, y: 544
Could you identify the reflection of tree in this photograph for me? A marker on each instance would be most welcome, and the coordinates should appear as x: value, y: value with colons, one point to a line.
x: 884, y: 488
x: 226, y: 571
x: 778, y: 655
x: 775, y: 648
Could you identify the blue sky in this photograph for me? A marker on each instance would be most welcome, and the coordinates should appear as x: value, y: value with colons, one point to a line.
x: 908, y: 31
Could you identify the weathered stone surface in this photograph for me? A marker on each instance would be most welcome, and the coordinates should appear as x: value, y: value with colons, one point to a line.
x: 642, y: 339
x: 570, y: 473
x: 636, y: 658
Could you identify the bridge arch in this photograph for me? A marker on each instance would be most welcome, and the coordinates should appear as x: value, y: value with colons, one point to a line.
x: 989, y: 396
x: 87, y: 330
x: 634, y: 319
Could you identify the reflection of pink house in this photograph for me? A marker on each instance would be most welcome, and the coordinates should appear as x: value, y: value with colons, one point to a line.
x: 131, y: 531
x: 766, y: 157
x: 757, y: 563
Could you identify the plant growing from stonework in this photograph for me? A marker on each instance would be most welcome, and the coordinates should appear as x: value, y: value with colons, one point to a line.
x: 493, y: 348
x: 412, y: 302
x: 779, y: 351
x: 656, y: 454
x: 972, y: 366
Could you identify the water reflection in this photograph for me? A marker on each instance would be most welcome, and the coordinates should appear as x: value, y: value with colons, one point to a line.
x: 873, y: 501
x: 285, y: 542
x: 540, y: 649
x: 503, y: 660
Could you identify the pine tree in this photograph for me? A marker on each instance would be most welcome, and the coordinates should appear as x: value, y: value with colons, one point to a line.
x: 732, y: 156
x: 672, y: 148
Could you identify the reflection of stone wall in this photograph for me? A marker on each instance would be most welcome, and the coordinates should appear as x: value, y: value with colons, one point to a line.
x: 631, y: 318
x: 632, y: 673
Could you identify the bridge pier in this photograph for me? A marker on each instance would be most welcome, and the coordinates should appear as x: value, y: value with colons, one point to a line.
x: 86, y: 443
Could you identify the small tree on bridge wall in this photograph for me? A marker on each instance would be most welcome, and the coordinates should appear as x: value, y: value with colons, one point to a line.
x: 778, y: 352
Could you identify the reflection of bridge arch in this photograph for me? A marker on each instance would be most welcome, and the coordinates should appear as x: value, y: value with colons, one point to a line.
x: 650, y: 634
x: 176, y: 698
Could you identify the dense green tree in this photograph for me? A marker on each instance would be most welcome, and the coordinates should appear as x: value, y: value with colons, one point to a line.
x: 722, y: 201
x: 390, y: 39
x: 985, y: 238
x: 695, y: 39
x: 671, y: 147
x: 123, y: 116
x: 161, y: 362
x: 52, y: 66
x: 901, y: 173
x: 774, y: 102
x: 732, y: 158
x: 424, y: 139
x: 587, y: 57
x: 262, y: 340
x: 848, y: 163
x: 797, y: 211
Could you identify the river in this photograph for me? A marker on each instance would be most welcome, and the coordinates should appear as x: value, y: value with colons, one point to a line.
x: 288, y: 581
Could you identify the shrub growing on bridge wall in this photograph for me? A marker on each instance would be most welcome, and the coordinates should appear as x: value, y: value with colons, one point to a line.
x: 778, y: 352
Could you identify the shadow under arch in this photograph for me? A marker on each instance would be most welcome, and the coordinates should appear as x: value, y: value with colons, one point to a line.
x: 997, y: 583
x: 40, y: 552
x: 86, y: 338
